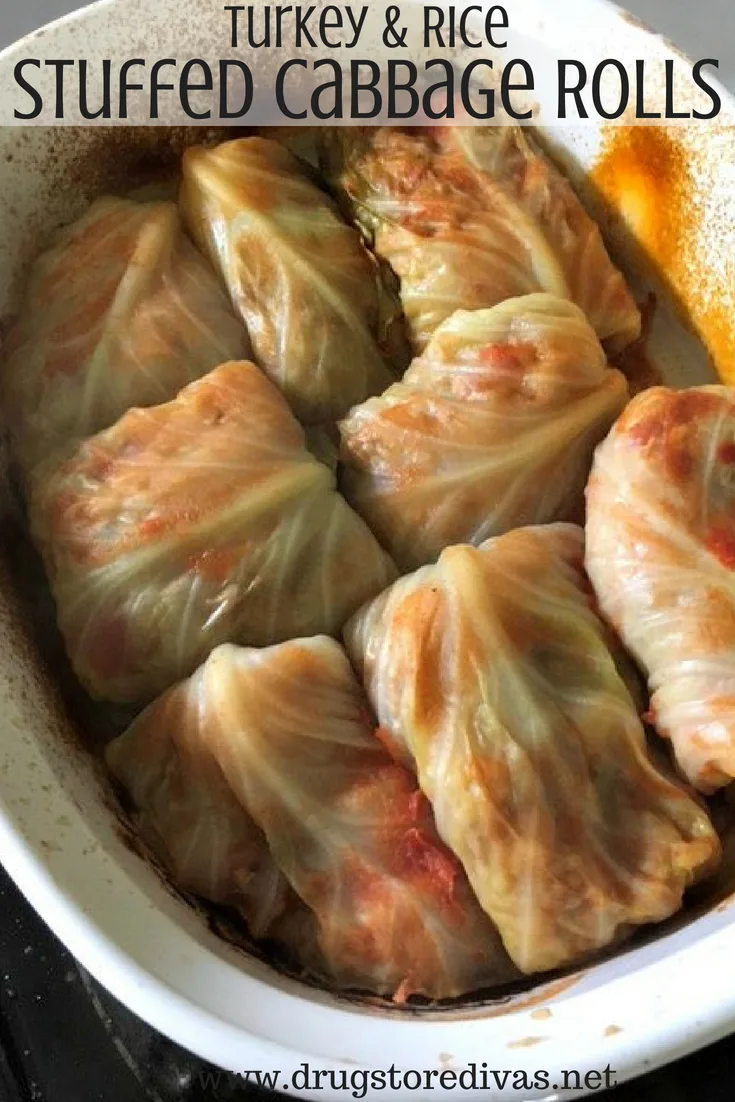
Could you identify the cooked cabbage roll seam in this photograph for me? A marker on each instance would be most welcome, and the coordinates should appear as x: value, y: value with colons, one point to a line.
x: 468, y: 217
x: 185, y: 811
x: 292, y: 732
x: 661, y: 556
x: 490, y: 673
x: 121, y: 311
x: 193, y: 523
x: 320, y: 317
x: 493, y: 427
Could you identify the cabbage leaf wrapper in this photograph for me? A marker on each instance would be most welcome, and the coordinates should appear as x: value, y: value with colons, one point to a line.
x: 318, y: 312
x: 187, y: 813
x: 470, y: 216
x: 121, y: 311
x: 661, y: 556
x: 490, y: 673
x: 492, y: 428
x: 198, y: 522
x: 293, y: 734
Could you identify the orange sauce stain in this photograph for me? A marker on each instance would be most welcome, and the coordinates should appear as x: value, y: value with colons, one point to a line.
x: 643, y: 176
x: 646, y: 178
x: 717, y: 328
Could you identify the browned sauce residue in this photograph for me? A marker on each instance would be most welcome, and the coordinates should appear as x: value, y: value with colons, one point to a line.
x: 718, y: 333
x: 525, y: 1001
x: 526, y: 1042
x: 541, y: 1015
x: 635, y: 21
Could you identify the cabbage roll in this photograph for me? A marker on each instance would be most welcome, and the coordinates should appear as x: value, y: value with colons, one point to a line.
x: 470, y: 216
x: 311, y: 295
x: 189, y: 816
x: 492, y: 428
x: 490, y: 672
x: 304, y: 142
x: 292, y: 732
x: 121, y: 311
x: 661, y: 556
x: 194, y: 523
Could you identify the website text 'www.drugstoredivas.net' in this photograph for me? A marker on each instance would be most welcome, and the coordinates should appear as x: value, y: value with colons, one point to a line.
x: 361, y: 1083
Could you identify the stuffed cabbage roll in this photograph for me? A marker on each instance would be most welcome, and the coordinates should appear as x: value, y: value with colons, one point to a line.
x: 470, y: 216
x: 304, y: 142
x: 661, y: 556
x: 319, y: 317
x: 188, y: 815
x: 193, y: 523
x: 492, y: 428
x: 490, y: 673
x: 292, y: 732
x: 121, y: 311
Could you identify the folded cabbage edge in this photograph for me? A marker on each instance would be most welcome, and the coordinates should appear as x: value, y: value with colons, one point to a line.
x: 120, y: 311
x: 291, y: 730
x: 493, y: 427
x: 185, y: 812
x: 321, y: 317
x: 660, y: 554
x: 470, y: 216
x: 194, y: 523
x: 491, y: 674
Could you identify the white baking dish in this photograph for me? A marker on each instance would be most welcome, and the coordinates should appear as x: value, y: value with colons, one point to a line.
x: 60, y: 837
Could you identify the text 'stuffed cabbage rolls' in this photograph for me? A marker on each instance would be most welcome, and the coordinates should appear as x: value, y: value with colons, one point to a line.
x: 197, y: 522
x: 470, y: 216
x: 319, y: 315
x: 492, y: 428
x: 661, y: 556
x: 292, y: 732
x: 490, y: 673
x: 121, y: 311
